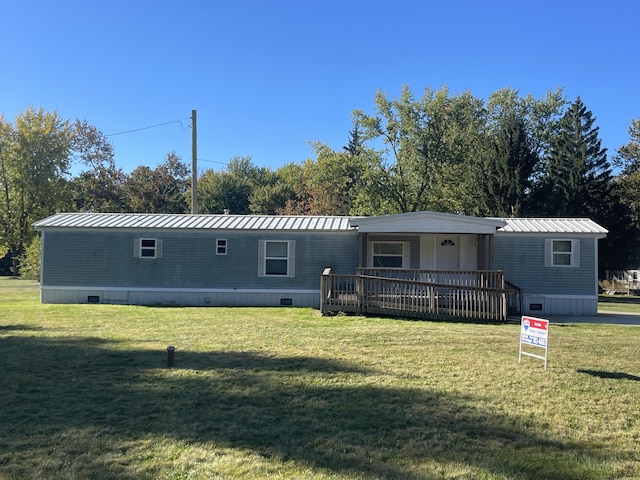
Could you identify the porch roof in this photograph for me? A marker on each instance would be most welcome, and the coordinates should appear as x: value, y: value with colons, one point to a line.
x: 427, y: 222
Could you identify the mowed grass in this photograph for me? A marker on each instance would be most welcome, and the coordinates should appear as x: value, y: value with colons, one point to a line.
x: 286, y: 393
x: 619, y: 303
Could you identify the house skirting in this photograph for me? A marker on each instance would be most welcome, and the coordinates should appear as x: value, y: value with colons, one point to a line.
x: 244, y: 297
x: 537, y: 305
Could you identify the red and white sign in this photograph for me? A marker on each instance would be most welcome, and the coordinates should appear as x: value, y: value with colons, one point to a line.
x: 534, y: 331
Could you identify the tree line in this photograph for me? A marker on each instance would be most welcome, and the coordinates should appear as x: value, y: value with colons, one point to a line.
x: 507, y: 156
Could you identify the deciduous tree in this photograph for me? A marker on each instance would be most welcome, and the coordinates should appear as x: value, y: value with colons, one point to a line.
x: 159, y: 190
x: 229, y: 190
x: 34, y: 168
x: 100, y: 187
x: 412, y: 142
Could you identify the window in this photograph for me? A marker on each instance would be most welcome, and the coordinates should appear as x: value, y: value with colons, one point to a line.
x: 276, y: 258
x: 147, y: 248
x: 221, y: 246
x: 389, y: 254
x: 562, y: 253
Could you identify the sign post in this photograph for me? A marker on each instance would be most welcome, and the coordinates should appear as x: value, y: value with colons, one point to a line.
x: 534, y: 332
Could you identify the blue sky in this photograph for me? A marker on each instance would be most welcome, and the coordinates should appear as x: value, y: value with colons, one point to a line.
x: 268, y: 77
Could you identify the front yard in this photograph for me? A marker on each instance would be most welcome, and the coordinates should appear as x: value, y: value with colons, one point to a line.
x: 286, y: 393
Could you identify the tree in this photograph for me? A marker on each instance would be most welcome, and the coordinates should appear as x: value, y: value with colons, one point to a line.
x: 242, y: 188
x: 509, y: 168
x: 34, y: 166
x: 327, y: 185
x: 100, y: 188
x: 627, y: 184
x: 412, y: 142
x: 270, y: 193
x: 355, y: 145
x: 628, y: 155
x: 220, y: 192
x: 160, y: 190
x: 577, y: 181
x: 228, y: 190
x: 518, y: 136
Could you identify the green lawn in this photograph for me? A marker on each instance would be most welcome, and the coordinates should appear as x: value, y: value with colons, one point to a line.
x: 286, y: 393
x: 619, y: 303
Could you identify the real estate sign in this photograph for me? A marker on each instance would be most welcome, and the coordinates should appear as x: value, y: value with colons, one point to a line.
x: 534, y: 332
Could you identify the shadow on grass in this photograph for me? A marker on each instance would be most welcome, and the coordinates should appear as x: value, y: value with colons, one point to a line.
x: 75, y: 407
x: 18, y: 328
x: 611, y: 375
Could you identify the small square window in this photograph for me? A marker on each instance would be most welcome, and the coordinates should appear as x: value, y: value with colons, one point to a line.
x: 276, y: 258
x: 148, y: 248
x: 221, y: 246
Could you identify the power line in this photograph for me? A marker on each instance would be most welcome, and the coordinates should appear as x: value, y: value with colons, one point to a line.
x: 212, y: 161
x: 147, y: 128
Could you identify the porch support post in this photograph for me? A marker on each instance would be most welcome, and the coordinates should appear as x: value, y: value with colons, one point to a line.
x: 490, y: 266
x: 485, y: 252
x: 362, y: 250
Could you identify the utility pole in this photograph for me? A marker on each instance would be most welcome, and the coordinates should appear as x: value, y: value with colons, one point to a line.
x: 194, y: 163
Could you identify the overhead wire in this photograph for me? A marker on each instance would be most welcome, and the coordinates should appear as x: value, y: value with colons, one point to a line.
x: 160, y: 125
x: 147, y: 128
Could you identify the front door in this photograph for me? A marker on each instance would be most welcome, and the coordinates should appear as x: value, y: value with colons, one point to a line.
x: 447, y: 252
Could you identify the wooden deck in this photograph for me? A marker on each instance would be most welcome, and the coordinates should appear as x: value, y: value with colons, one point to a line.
x: 428, y: 294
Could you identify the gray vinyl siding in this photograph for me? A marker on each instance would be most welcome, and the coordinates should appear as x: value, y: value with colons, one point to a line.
x: 189, y: 260
x: 522, y: 258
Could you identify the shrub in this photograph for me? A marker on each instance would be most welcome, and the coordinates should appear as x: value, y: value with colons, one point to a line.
x: 30, y: 260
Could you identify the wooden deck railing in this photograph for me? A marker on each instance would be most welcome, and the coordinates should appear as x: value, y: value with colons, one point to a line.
x: 430, y: 294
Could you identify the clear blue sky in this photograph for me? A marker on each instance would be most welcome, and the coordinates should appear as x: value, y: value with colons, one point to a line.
x: 268, y: 76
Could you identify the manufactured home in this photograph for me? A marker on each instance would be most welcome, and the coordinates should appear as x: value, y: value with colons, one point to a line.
x: 422, y: 264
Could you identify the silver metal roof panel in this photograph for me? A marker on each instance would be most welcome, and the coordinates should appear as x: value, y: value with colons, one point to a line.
x: 186, y: 221
x: 552, y: 225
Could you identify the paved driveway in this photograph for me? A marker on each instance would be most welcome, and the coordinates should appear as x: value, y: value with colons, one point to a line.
x: 605, y: 317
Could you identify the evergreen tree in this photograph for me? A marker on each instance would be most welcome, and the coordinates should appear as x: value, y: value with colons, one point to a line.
x: 509, y: 169
x: 356, y: 142
x: 627, y: 183
x: 578, y: 177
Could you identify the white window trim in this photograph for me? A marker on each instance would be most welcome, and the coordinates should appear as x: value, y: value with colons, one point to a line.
x: 221, y: 243
x: 262, y: 258
x: 405, y: 252
x: 574, y: 261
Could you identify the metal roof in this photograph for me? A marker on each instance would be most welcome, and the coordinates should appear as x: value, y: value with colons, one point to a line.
x: 288, y: 222
x: 552, y: 225
x: 194, y: 222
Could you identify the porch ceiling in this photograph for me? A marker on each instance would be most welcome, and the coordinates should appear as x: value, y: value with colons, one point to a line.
x: 427, y: 222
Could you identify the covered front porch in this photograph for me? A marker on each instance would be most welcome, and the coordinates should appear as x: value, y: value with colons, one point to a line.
x: 425, y: 265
